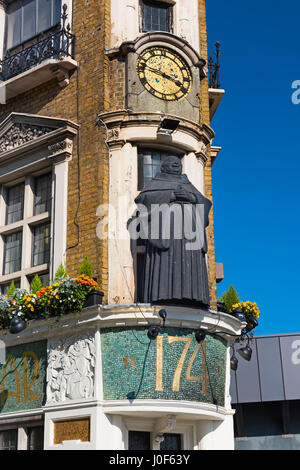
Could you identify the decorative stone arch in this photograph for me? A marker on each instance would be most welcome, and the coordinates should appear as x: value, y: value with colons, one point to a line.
x: 160, y: 37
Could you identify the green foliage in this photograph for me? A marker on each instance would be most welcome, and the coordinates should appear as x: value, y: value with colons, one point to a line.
x: 60, y: 273
x: 86, y: 267
x: 229, y: 297
x: 11, y: 289
x: 36, y: 284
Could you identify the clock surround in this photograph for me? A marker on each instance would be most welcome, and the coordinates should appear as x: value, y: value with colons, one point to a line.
x: 164, y: 73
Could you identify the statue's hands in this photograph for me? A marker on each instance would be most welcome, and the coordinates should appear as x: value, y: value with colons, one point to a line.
x: 182, y: 195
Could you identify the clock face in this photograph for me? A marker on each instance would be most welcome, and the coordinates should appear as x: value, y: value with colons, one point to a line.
x: 164, y: 73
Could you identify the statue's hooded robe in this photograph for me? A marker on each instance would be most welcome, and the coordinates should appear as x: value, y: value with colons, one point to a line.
x: 171, y: 271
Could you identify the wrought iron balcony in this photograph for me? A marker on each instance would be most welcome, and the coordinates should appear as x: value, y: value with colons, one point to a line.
x: 214, y: 69
x: 55, y: 44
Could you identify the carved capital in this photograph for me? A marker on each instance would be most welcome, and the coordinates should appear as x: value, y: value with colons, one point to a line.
x: 64, y: 146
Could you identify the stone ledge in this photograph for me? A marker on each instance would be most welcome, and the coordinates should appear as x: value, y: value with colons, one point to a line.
x: 42, y: 73
x: 116, y: 316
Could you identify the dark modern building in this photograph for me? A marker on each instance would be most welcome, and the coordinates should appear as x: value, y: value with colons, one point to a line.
x: 266, y: 395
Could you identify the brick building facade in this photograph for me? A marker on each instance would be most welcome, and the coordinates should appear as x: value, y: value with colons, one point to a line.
x: 77, y: 111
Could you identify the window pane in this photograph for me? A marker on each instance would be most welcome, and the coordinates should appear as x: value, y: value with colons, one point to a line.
x: 149, y: 165
x: 35, y: 438
x: 155, y: 16
x: 15, y: 204
x: 163, y: 20
x: 41, y: 244
x: 56, y: 11
x: 12, y: 253
x: 171, y: 442
x: 13, y: 30
x: 45, y: 279
x: 42, y: 194
x: 9, y: 439
x: 4, y: 287
x: 44, y: 15
x: 138, y: 440
x: 29, y: 19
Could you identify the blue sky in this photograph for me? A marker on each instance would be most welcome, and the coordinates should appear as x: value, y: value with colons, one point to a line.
x: 256, y: 178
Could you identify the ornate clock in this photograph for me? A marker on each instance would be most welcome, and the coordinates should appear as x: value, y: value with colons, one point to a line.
x: 164, y: 73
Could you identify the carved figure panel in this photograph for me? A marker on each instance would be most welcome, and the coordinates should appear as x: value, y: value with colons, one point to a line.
x: 20, y: 134
x: 71, y: 368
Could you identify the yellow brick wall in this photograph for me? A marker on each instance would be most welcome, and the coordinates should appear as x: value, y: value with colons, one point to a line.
x: 86, y: 95
x: 97, y: 85
x: 204, y: 118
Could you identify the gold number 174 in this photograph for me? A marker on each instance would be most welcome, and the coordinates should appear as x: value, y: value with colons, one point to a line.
x: 177, y: 376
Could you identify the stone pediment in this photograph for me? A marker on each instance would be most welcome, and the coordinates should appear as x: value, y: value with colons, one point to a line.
x: 20, y: 129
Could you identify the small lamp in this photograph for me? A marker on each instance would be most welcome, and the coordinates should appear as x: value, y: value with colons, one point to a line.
x: 153, y: 331
x: 163, y: 314
x: 200, y: 335
x: 246, y: 351
x: 233, y: 362
x: 17, y: 325
x: 167, y: 126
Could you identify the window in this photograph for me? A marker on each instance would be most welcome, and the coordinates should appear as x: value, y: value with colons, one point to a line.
x: 44, y: 278
x: 171, y: 442
x: 41, y: 244
x: 156, y: 16
x: 42, y: 194
x: 15, y: 204
x: 9, y: 439
x: 12, y: 253
x: 35, y: 438
x: 22, y: 438
x: 26, y: 245
x: 4, y: 287
x: 149, y: 164
x: 138, y: 440
x: 27, y: 18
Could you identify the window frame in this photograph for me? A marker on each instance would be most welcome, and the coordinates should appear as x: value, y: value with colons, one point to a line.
x: 23, y: 427
x: 37, y: 32
x: 141, y: 150
x: 26, y: 226
x: 45, y: 253
x: 158, y: 4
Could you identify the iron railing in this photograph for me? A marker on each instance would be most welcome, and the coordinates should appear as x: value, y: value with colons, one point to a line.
x: 54, y: 44
x: 214, y: 68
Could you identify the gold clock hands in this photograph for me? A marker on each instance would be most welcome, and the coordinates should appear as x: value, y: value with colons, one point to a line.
x: 163, y: 74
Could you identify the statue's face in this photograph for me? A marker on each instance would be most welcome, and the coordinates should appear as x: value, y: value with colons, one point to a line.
x: 172, y: 165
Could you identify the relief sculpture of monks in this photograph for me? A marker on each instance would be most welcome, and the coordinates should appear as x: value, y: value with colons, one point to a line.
x: 173, y: 216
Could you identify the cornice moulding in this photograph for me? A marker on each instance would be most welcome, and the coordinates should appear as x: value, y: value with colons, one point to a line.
x: 161, y: 37
x: 120, y: 119
x: 109, y: 316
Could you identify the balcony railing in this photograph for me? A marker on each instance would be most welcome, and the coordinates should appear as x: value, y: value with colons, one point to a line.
x: 214, y: 69
x: 57, y: 43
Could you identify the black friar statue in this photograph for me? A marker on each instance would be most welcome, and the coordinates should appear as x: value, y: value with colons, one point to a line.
x: 173, y: 216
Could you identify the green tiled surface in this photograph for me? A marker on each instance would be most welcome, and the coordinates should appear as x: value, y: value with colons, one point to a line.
x: 129, y: 362
x: 23, y: 377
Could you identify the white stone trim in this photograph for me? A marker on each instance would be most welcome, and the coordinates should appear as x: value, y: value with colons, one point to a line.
x: 51, y: 151
x: 106, y: 316
x: 126, y: 131
x: 93, y: 413
x: 125, y: 20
